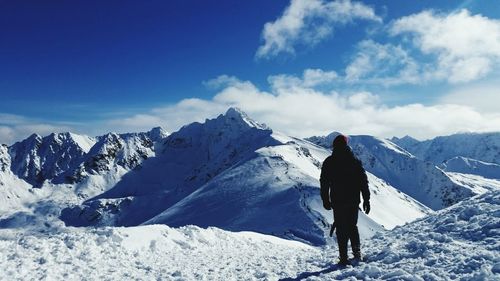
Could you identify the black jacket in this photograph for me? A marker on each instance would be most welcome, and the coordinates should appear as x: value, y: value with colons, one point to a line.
x: 343, y: 179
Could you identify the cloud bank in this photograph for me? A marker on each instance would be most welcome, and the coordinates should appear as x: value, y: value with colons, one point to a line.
x: 295, y: 106
x: 14, y: 128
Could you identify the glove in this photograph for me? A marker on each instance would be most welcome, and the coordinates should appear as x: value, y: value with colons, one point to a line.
x: 366, y: 207
x: 327, y: 205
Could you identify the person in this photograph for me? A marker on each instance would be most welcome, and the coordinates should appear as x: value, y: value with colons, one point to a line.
x: 342, y: 180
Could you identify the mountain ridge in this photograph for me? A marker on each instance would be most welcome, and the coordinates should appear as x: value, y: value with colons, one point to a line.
x: 231, y: 172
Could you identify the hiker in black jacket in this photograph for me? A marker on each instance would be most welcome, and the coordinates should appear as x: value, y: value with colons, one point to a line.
x: 342, y: 180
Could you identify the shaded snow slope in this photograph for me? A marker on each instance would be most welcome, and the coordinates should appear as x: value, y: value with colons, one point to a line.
x: 98, y: 169
x: 279, y: 188
x: 421, y: 180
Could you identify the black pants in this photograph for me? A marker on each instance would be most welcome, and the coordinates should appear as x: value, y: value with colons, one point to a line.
x: 346, y: 220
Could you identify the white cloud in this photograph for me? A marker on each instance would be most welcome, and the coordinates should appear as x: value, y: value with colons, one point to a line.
x: 310, y: 78
x: 382, y: 63
x: 466, y: 46
x: 429, y: 47
x: 220, y: 81
x: 308, y: 22
x: 301, y: 110
x: 304, y: 111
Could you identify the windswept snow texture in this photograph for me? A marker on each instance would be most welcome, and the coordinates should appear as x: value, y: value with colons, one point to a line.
x: 458, y: 243
x: 154, y: 252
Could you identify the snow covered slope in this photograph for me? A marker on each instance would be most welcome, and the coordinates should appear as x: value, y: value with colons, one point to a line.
x: 476, y: 183
x: 458, y: 243
x: 420, y: 179
x: 236, y: 174
x: 13, y: 191
x: 465, y: 165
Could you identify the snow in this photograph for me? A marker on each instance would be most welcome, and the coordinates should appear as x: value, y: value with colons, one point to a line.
x: 85, y: 142
x: 148, y: 253
x: 14, y: 192
x: 461, y: 242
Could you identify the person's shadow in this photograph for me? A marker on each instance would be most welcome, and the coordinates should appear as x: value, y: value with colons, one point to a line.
x: 306, y: 274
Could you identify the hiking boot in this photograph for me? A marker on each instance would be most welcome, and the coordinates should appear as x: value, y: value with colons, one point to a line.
x: 343, y: 261
x: 357, y: 255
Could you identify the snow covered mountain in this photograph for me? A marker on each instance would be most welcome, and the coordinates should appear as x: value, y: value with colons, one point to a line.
x: 230, y: 172
x: 236, y: 174
x: 70, y: 158
x: 420, y: 179
x: 484, y: 147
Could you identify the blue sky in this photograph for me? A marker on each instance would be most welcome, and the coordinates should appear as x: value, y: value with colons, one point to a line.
x: 98, y: 66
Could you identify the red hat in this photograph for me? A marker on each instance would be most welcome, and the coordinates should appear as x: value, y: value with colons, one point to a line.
x: 340, y: 141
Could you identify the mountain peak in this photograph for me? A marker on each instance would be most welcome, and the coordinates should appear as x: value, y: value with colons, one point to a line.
x: 236, y: 114
x: 34, y: 137
x: 157, y: 133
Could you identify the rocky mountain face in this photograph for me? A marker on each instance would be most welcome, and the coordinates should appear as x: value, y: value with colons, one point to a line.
x: 37, y: 159
x: 4, y: 158
x: 68, y: 157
